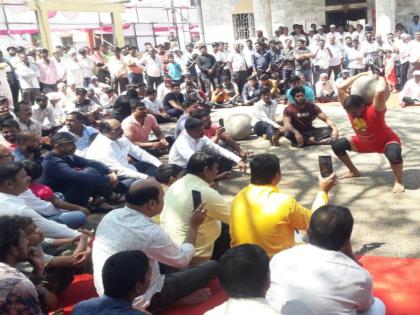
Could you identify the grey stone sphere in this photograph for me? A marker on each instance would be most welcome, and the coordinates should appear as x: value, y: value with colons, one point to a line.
x: 365, y: 87
x: 238, y: 126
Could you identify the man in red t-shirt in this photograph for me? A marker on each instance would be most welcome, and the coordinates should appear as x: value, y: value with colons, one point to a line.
x: 372, y: 132
x: 298, y: 118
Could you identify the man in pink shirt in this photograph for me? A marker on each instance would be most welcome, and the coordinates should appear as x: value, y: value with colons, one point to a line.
x: 48, y: 72
x: 138, y: 126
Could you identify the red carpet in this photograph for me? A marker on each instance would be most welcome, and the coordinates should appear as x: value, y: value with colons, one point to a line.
x: 395, y: 283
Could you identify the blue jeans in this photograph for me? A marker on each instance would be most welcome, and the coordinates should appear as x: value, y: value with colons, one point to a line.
x: 263, y: 128
x: 73, y: 219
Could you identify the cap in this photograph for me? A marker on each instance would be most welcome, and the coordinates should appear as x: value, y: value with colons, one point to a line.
x: 62, y: 137
x: 54, y: 96
x: 417, y: 72
x: 94, y: 77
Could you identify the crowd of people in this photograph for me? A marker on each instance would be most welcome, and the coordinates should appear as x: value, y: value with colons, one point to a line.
x: 85, y: 132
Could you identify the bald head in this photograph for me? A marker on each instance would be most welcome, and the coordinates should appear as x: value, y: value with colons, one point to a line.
x: 143, y: 192
x: 5, y: 155
x: 111, y: 128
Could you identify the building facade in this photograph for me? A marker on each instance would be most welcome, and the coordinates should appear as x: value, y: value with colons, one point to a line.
x: 239, y: 19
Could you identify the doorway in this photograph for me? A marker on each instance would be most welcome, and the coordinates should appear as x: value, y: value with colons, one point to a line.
x: 351, y: 16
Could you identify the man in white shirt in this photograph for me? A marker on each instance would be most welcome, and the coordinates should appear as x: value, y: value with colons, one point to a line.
x: 238, y: 67
x: 323, y: 277
x: 118, y: 67
x: 245, y: 277
x: 87, y: 64
x: 153, y: 69
x: 28, y: 74
x: 404, y: 49
x: 192, y: 140
x: 336, y: 57
x: 410, y: 95
x: 43, y: 112
x: 13, y: 182
x: 322, y: 56
x: 264, y: 118
x: 155, y: 107
x: 355, y: 57
x: 113, y: 149
x: 131, y: 228
x: 370, y: 49
x: 23, y: 112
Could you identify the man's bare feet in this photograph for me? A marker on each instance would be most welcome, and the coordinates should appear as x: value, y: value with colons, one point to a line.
x: 350, y: 175
x: 398, y: 188
x: 196, y: 297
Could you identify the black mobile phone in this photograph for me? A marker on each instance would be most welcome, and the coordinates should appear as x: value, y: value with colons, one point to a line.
x: 325, y: 165
x: 196, y: 196
x: 221, y: 123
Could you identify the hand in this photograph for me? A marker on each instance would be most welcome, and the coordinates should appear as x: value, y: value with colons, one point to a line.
x: 210, y: 71
x: 36, y: 259
x: 198, y: 216
x: 113, y: 179
x: 164, y: 142
x: 242, y: 166
x: 299, y: 138
x: 220, y: 131
x: 81, y: 258
x: 326, y: 184
x: 334, y: 134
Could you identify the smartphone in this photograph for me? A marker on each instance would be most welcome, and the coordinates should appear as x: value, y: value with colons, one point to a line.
x: 196, y: 197
x: 325, y: 165
x: 221, y: 123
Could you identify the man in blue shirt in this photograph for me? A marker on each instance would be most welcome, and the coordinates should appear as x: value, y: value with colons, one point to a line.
x: 125, y: 276
x: 260, y: 59
x: 295, y: 81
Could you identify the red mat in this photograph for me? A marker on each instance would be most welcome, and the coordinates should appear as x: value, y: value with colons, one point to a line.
x: 395, y: 283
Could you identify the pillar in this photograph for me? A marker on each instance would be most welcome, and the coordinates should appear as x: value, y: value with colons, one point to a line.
x: 262, y: 17
x: 385, y: 16
x: 44, y: 28
x: 118, y: 29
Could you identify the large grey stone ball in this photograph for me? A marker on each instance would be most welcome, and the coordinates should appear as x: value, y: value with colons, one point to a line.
x: 365, y: 87
x: 238, y: 126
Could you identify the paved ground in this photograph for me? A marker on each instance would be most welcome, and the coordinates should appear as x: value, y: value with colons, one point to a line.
x: 385, y: 223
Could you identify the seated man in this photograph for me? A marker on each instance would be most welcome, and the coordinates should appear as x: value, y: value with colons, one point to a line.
x: 18, y: 295
x: 114, y: 150
x: 322, y: 277
x: 131, y: 228
x: 26, y: 123
x: 90, y: 111
x: 192, y: 140
x: 295, y: 81
x: 244, y: 274
x: 410, y: 94
x: 5, y: 112
x: 5, y: 155
x: 167, y: 174
x: 108, y: 98
x: 13, y: 182
x: 139, y: 125
x: 125, y: 276
x: 190, y: 106
x: 325, y: 90
x: 232, y: 91
x: 28, y: 147
x: 43, y: 113
x: 218, y: 134
x: 264, y: 118
x: 202, y: 170
x: 155, y: 107
x: 82, y: 134
x: 76, y: 177
x: 9, y: 130
x: 173, y: 101
x: 251, y: 91
x: 261, y: 214
x: 219, y: 97
x: 298, y: 117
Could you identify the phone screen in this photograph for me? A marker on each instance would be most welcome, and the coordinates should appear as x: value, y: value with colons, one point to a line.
x: 325, y: 165
x: 196, y: 196
x: 221, y: 122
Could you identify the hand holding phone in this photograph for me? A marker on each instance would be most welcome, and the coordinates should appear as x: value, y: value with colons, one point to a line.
x: 325, y: 165
x: 221, y: 123
x: 196, y: 197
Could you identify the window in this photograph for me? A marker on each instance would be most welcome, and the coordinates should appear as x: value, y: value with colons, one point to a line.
x: 243, y: 25
x: 341, y: 2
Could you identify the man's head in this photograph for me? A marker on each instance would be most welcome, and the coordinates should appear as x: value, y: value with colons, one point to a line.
x: 204, y: 116
x: 32, y: 232
x: 28, y: 141
x: 145, y: 196
x: 11, y: 50
x: 151, y: 94
x: 9, y: 130
x: 33, y: 169
x: 321, y: 43
x: 5, y: 155
x: 355, y: 42
x: 63, y: 143
x: 23, y: 111
x: 252, y: 80
x: 203, y: 165
x: 258, y: 46
x: 194, y: 128
x: 42, y: 101
x: 416, y: 75
x: 111, y: 128
x: 167, y: 174
x: 369, y: 37
x: 23, y: 57
x: 265, y: 169
x: 81, y: 94
x: 265, y: 95
x: 323, y: 77
x: 176, y: 88
x: 138, y: 109
x: 13, y: 241
x: 288, y: 42
x: 190, y: 106
x: 13, y: 178
x: 332, y: 28
x: 330, y: 227
x: 295, y: 81
x: 244, y: 272
x: 126, y: 275
x: 300, y: 44
x: 298, y: 94
x: 4, y: 108
x: 248, y: 43
x: 354, y: 105
x: 331, y: 39
x: 416, y: 19
x: 74, y: 122
x: 203, y: 49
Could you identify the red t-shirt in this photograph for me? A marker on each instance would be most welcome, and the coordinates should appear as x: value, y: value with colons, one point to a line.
x: 302, y: 118
x: 211, y: 131
x: 42, y: 191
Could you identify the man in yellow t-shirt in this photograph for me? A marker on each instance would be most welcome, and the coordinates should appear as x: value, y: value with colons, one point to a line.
x: 261, y: 214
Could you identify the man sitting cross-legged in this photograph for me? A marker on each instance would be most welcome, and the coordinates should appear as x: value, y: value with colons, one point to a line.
x: 298, y: 118
x: 261, y: 214
x: 114, y: 150
x: 131, y: 228
x: 322, y: 277
x: 244, y: 274
x: 125, y: 276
